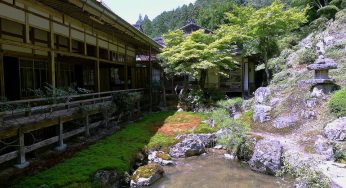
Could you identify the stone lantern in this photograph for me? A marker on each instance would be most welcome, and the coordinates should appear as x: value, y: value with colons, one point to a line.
x: 322, y: 83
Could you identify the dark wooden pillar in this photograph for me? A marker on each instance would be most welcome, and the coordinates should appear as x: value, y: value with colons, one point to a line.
x: 51, y: 65
x: 87, y: 128
x: 2, y: 76
x: 150, y: 82
x: 97, y: 67
x: 126, y: 82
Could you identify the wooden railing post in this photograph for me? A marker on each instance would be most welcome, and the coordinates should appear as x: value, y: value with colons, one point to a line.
x: 1, y: 120
x: 87, y: 131
x: 22, y: 163
x: 61, y: 146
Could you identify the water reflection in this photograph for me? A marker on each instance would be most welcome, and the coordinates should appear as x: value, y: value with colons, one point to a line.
x: 213, y: 171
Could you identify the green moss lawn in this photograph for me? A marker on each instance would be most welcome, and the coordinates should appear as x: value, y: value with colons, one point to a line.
x: 117, y: 152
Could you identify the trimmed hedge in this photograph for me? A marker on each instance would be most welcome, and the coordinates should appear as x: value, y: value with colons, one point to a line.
x: 337, y: 103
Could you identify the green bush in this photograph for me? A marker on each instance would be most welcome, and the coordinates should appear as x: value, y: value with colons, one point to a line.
x: 306, y: 56
x: 339, y: 3
x: 230, y: 102
x: 236, y: 129
x: 328, y: 11
x: 337, y: 103
x: 281, y: 76
x: 289, y: 41
x: 341, y: 14
x: 319, y: 24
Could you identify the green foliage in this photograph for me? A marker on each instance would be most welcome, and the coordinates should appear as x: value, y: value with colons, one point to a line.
x: 339, y: 154
x: 280, y: 76
x: 304, y: 174
x: 204, y: 128
x: 192, y: 55
x: 290, y: 40
x: 230, y: 102
x: 236, y: 130
x: 193, y: 100
x: 55, y: 95
x: 114, y: 153
x: 328, y: 11
x: 125, y: 101
x: 337, y: 51
x: 264, y: 25
x: 337, y: 103
x: 306, y: 56
x: 216, y: 95
x: 339, y: 3
x: 319, y: 24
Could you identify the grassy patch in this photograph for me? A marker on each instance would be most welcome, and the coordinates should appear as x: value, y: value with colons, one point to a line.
x: 113, y: 153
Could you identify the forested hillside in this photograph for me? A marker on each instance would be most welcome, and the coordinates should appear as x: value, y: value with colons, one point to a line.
x: 208, y: 13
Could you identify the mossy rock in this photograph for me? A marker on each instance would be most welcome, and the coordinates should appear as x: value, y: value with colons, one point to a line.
x: 247, y: 148
x: 148, y: 172
x: 162, y: 155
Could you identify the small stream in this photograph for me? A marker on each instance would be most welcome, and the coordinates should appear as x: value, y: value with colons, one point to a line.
x: 213, y: 171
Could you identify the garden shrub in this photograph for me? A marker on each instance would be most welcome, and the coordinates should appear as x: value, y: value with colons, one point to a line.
x: 195, y: 99
x: 125, y: 102
x: 306, y: 56
x: 289, y: 41
x: 281, y: 76
x: 306, y: 175
x: 337, y: 51
x: 235, y: 130
x: 216, y: 95
x: 278, y: 64
x: 337, y: 103
x: 230, y: 102
x: 328, y: 11
x: 319, y: 24
x: 341, y: 14
x: 339, y: 3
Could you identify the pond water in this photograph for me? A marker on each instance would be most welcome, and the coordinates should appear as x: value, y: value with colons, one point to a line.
x: 213, y: 171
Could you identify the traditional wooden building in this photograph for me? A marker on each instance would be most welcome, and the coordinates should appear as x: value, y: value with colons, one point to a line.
x: 78, y: 44
x: 241, y: 80
x: 73, y: 43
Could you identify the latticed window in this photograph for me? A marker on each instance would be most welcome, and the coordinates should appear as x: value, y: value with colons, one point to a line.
x: 33, y: 76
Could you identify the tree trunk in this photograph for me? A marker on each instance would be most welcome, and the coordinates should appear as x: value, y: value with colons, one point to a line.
x: 202, y: 79
x: 266, y: 67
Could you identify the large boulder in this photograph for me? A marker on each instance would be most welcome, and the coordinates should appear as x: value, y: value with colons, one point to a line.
x: 146, y: 175
x: 267, y: 157
x: 324, y: 147
x: 106, y: 178
x: 262, y: 113
x: 336, y: 130
x: 208, y: 140
x: 187, y: 148
x: 285, y: 121
x: 160, y: 157
x: 262, y: 96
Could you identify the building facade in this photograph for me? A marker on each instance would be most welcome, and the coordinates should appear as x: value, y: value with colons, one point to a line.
x: 74, y: 44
